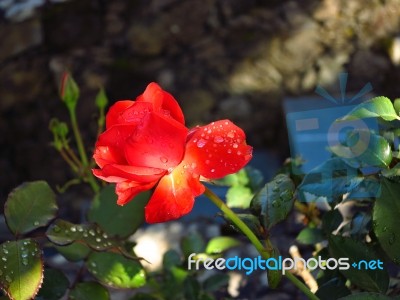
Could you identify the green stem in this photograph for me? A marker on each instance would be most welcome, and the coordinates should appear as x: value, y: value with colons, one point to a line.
x: 82, y: 153
x: 254, y: 240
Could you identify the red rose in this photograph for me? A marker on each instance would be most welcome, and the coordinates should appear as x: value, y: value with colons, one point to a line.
x: 146, y: 145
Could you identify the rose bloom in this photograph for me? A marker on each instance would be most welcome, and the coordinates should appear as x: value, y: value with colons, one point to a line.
x: 146, y: 144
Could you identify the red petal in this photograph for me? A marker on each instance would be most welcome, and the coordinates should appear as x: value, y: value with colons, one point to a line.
x: 115, y: 111
x: 104, y: 155
x: 118, y: 173
x: 127, y: 190
x: 173, y: 196
x: 162, y: 102
x: 217, y: 149
x: 116, y: 136
x: 158, y: 143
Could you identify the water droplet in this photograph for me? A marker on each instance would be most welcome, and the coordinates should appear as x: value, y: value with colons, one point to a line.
x: 5, y: 251
x: 212, y: 170
x: 80, y: 229
x: 392, y: 238
x: 91, y: 232
x: 73, y: 229
x: 170, y: 170
x: 56, y: 229
x: 24, y: 255
x: 4, y: 258
x: 229, y: 151
x: 105, y: 235
x: 235, y: 145
x: 25, y: 262
x: 93, y: 264
x: 193, y: 165
x: 239, y: 153
x: 98, y: 240
x: 85, y: 234
x: 8, y: 279
x: 231, y: 134
x: 207, y: 162
x: 195, y: 141
x: 163, y: 159
x: 218, y: 139
x: 201, y: 143
x: 36, y: 223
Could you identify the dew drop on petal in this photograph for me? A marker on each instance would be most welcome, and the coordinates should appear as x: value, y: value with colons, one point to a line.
x: 207, y: 162
x: 212, y: 170
x: 231, y: 134
x: 235, y: 145
x: 229, y: 151
x: 193, y: 165
x: 218, y: 139
x: 239, y: 153
x: 201, y: 143
x: 163, y: 159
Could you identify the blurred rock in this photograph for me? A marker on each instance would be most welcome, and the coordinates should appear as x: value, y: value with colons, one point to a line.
x: 19, y: 37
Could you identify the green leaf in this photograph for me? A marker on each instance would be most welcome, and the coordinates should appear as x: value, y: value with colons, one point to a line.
x: 239, y: 197
x: 143, y: 296
x: 215, y: 282
x: 115, y: 219
x: 366, y: 296
x: 376, y: 107
x: 191, y: 289
x: 54, y: 286
x: 74, y: 251
x: 21, y: 269
x: 89, y: 291
x: 238, y: 178
x: 220, y: 244
x: 310, y: 236
x: 333, y: 178
x: 332, y: 290
x: 64, y: 233
x: 396, y: 105
x: 393, y: 172
x: 274, y: 201
x: 30, y: 206
x: 171, y: 259
x: 370, y: 149
x: 373, y: 280
x: 386, y: 219
x: 193, y: 243
x: 115, y: 270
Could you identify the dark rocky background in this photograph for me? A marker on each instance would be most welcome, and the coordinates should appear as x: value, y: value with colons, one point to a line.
x: 235, y: 59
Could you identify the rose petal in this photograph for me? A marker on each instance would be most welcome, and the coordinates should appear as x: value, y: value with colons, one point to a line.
x: 162, y: 102
x: 104, y: 155
x: 114, y: 173
x: 116, y: 136
x: 217, y: 149
x: 173, y: 196
x: 158, y: 143
x: 127, y: 190
x: 115, y: 111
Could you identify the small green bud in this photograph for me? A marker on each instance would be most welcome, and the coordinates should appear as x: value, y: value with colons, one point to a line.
x: 101, y: 99
x: 69, y: 91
